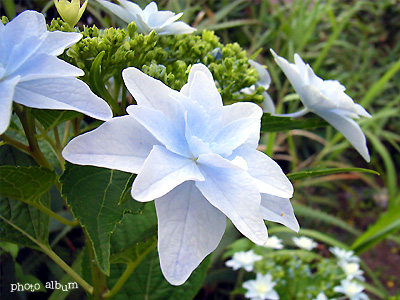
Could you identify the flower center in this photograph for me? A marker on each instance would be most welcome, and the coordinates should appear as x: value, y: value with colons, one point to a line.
x: 262, y: 288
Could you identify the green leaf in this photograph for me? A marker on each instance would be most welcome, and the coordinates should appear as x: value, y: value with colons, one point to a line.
x: 15, y: 214
x: 388, y: 223
x: 126, y: 194
x: 93, y: 195
x: 306, y: 174
x: 135, y: 253
x: 147, y: 281
x: 50, y: 118
x: 273, y: 123
x: 27, y: 184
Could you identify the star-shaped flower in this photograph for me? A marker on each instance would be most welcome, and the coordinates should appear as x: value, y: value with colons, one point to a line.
x: 70, y: 11
x: 32, y: 75
x: 197, y: 159
x: 352, y: 270
x: 327, y: 99
x: 243, y: 259
x: 343, y: 255
x: 261, y: 288
x: 304, y: 242
x: 351, y: 289
x: 148, y: 19
x: 274, y: 242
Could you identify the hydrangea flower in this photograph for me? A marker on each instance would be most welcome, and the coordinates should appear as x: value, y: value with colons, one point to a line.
x: 352, y: 270
x: 148, y: 19
x: 243, y: 260
x: 264, y: 81
x: 343, y: 255
x: 70, y: 11
x: 351, y: 289
x: 197, y: 159
x: 261, y: 288
x: 273, y: 242
x: 32, y: 75
x: 327, y: 99
x: 304, y: 242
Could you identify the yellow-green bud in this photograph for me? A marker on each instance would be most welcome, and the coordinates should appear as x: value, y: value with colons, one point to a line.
x: 70, y: 11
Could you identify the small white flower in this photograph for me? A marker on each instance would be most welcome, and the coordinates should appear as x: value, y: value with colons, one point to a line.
x: 343, y: 255
x: 261, y: 288
x: 351, y: 289
x: 243, y: 260
x: 197, y: 158
x: 352, y: 270
x: 321, y: 296
x: 148, y: 19
x: 32, y: 75
x: 327, y: 99
x: 264, y: 81
x: 304, y: 242
x: 273, y: 242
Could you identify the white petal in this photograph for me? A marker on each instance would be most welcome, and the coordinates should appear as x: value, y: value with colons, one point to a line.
x: 279, y: 210
x: 349, y: 128
x: 193, y: 70
x: 56, y: 41
x: 133, y: 8
x: 120, y: 143
x: 152, y: 93
x: 176, y: 28
x: 290, y: 70
x: 265, y: 78
x: 361, y: 111
x: 162, y: 171
x: 6, y: 98
x: 189, y: 228
x: 234, y: 193
x: 46, y: 66
x: 162, y: 128
x: 235, y: 134
x: 125, y: 14
x: 268, y: 105
x: 62, y: 93
x: 268, y: 174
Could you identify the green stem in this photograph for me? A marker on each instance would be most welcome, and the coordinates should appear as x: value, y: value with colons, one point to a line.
x: 121, y: 281
x: 8, y: 140
x: 50, y: 253
x: 98, y: 278
x: 54, y: 215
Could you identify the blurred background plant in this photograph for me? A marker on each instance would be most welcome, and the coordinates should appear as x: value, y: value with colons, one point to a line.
x: 356, y: 42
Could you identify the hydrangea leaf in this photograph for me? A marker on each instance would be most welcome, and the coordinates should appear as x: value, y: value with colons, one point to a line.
x: 93, y: 194
x: 50, y: 118
x: 16, y: 216
x: 27, y: 184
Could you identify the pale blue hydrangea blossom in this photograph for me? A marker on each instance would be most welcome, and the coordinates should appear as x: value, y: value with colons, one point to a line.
x: 351, y: 289
x: 264, y: 81
x: 262, y: 288
x: 274, y: 242
x: 32, y: 75
x: 197, y: 159
x: 344, y: 255
x: 327, y: 99
x: 304, y: 242
x: 148, y: 19
x: 243, y: 259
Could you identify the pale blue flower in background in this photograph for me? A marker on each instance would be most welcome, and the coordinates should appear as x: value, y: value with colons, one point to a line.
x: 327, y: 99
x: 351, y: 289
x: 262, y: 288
x: 264, y: 81
x: 148, y: 19
x: 321, y: 296
x: 197, y: 159
x: 244, y: 260
x: 352, y: 270
x: 344, y: 255
x: 273, y: 242
x: 32, y: 75
x: 304, y: 242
